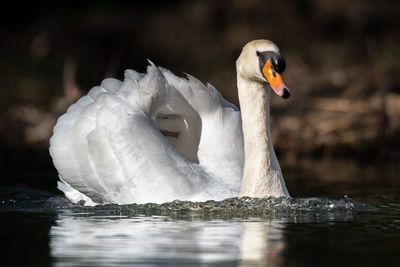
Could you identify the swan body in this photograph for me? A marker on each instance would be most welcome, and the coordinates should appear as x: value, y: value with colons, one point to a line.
x: 156, y: 137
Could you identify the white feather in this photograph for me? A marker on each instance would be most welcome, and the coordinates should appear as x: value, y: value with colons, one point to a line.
x: 109, y: 148
x: 155, y: 137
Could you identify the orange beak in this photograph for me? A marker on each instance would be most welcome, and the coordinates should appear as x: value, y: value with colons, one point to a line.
x: 275, y: 80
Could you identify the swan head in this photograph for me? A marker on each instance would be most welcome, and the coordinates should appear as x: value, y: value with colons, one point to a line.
x: 261, y: 61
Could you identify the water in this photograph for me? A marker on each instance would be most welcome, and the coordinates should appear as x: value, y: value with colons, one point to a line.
x: 41, y: 228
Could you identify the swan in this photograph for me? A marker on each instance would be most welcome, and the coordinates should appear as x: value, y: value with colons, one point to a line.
x: 155, y: 137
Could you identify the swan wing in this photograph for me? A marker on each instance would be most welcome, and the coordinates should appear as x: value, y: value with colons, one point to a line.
x: 221, y: 150
x: 109, y: 148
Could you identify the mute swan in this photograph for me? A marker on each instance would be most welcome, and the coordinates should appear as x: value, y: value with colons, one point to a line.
x: 155, y: 137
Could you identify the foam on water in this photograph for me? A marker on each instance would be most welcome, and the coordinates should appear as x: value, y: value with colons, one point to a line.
x: 241, y: 207
x: 37, y: 201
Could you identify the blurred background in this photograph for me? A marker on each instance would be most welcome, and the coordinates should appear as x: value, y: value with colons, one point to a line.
x: 343, y: 67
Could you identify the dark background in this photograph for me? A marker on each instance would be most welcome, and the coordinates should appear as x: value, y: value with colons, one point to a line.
x: 342, y: 57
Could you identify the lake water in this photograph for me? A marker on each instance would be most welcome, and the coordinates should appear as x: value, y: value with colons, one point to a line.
x: 41, y: 228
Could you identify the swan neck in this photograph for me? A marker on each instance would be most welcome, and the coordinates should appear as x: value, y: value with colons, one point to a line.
x: 262, y: 175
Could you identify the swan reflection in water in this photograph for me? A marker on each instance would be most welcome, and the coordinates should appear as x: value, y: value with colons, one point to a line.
x: 113, y: 241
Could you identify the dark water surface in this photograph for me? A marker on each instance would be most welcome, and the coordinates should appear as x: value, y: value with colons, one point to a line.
x: 41, y: 228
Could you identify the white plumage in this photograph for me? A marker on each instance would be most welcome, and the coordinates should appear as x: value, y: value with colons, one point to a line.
x: 155, y: 137
x: 109, y: 146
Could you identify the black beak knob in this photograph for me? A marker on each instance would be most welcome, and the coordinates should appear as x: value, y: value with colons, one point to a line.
x: 278, y: 62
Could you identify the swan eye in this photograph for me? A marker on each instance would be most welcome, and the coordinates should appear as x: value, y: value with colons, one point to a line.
x: 258, y: 53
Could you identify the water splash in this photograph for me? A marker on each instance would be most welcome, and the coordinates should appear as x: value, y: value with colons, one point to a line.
x: 241, y: 207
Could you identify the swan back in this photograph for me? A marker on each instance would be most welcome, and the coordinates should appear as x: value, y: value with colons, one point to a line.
x: 152, y: 137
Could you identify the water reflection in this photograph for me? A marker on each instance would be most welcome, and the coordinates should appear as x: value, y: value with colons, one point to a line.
x: 159, y: 240
x: 261, y: 243
x: 113, y: 235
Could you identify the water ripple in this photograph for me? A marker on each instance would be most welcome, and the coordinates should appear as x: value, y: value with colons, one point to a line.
x: 241, y: 207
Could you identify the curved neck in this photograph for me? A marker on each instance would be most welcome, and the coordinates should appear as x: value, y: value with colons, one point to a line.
x: 262, y: 175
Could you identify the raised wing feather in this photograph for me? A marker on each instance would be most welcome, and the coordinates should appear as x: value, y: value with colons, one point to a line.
x: 108, y: 145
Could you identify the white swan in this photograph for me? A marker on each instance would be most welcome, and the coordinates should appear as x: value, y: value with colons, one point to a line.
x: 156, y: 137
